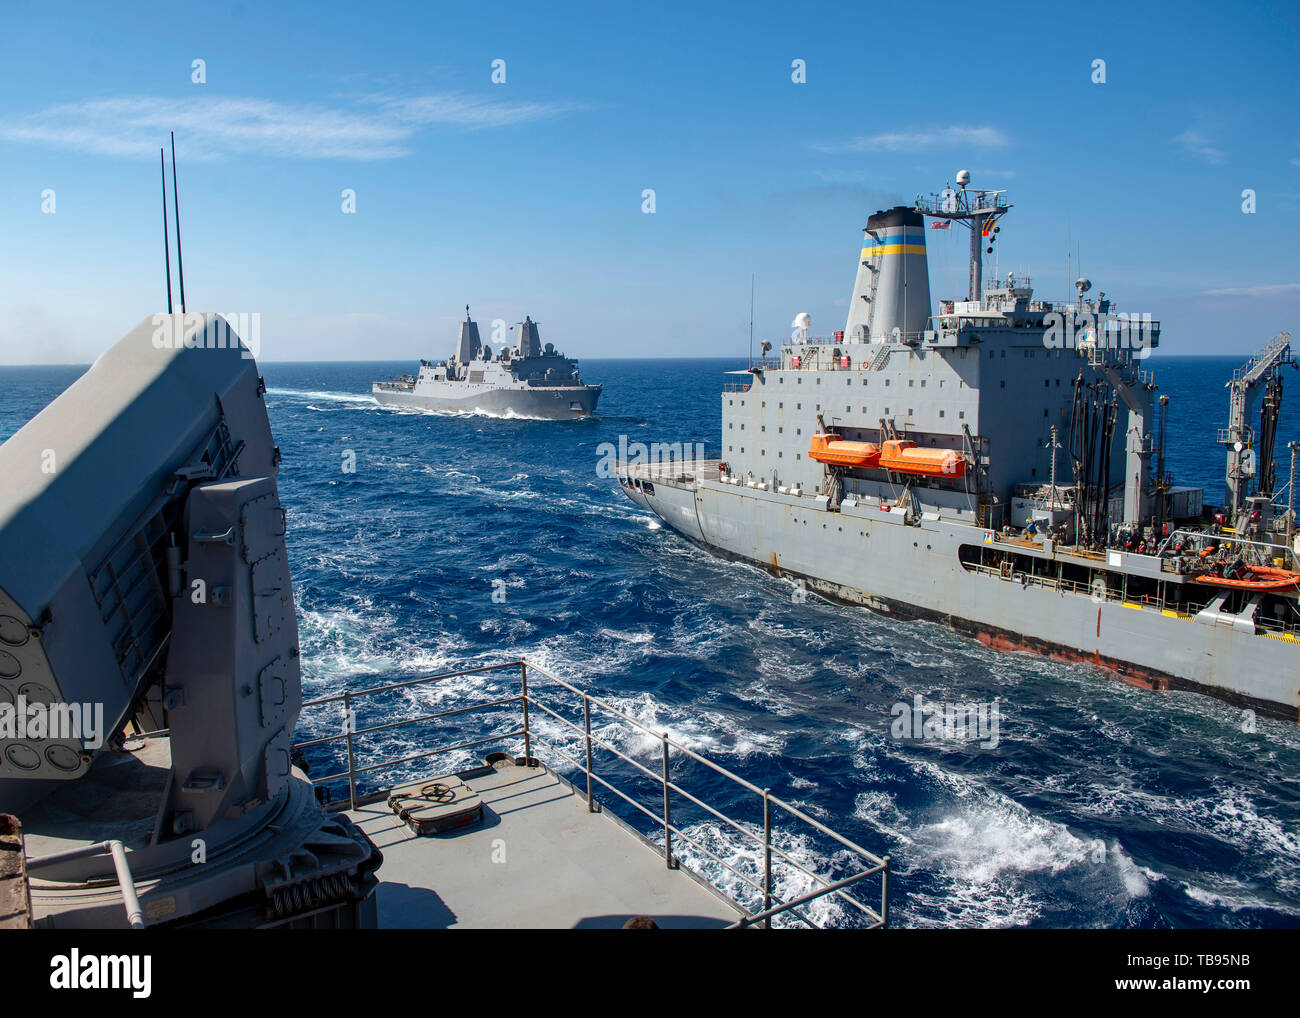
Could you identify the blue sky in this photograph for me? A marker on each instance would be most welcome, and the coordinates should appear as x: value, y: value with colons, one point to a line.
x: 526, y: 197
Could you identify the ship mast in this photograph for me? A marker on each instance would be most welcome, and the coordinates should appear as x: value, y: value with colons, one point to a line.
x: 977, y: 210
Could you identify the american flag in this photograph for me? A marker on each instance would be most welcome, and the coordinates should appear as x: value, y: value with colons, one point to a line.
x: 940, y: 224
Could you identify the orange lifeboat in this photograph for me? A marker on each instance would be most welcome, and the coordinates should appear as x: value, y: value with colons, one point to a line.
x: 828, y: 447
x: 1257, y: 578
x: 904, y: 457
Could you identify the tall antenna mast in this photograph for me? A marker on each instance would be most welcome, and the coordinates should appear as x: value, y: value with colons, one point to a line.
x: 977, y: 210
x: 167, y: 257
x: 176, y: 199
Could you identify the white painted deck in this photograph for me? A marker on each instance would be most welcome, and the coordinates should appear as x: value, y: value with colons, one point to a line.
x: 538, y: 860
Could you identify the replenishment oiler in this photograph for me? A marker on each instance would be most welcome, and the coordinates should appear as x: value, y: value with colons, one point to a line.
x: 999, y: 466
x: 527, y: 380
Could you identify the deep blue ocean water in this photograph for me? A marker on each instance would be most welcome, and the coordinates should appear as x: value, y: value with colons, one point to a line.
x: 1102, y: 805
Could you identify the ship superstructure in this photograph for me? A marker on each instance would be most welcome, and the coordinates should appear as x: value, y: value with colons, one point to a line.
x: 526, y: 380
x: 999, y: 466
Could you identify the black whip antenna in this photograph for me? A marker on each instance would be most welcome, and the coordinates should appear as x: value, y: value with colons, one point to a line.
x: 176, y: 200
x: 167, y: 256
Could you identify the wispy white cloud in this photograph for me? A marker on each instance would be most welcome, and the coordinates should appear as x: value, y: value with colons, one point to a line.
x: 939, y: 137
x: 1195, y: 143
x: 372, y: 128
x: 1273, y: 290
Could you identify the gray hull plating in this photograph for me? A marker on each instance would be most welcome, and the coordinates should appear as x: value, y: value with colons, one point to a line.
x: 868, y: 557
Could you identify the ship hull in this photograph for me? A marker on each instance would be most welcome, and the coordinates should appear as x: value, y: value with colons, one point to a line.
x: 552, y: 403
x: 869, y: 558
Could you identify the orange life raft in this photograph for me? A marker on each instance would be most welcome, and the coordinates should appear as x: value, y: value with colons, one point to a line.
x: 1259, y: 578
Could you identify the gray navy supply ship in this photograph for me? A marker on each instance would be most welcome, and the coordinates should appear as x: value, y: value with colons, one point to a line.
x: 527, y: 380
x: 999, y: 466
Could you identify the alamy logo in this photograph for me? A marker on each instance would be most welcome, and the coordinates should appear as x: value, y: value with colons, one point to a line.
x: 74, y: 971
x: 951, y: 722
x: 238, y: 331
x: 655, y: 455
x: 1084, y: 331
x: 82, y: 722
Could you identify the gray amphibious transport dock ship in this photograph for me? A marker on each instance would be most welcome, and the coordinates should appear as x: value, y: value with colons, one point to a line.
x: 527, y: 380
x: 999, y: 466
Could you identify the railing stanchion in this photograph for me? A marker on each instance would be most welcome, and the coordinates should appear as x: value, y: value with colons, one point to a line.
x: 884, y: 894
x: 352, y: 754
x: 528, y: 735
x: 668, y: 811
x: 767, y: 855
x: 586, y: 722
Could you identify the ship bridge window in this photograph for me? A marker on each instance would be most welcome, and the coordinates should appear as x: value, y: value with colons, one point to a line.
x: 922, y: 383
x: 940, y: 413
x: 911, y: 382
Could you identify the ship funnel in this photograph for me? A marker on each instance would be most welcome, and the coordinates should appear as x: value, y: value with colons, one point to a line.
x: 530, y: 344
x: 468, y: 347
x: 892, y: 290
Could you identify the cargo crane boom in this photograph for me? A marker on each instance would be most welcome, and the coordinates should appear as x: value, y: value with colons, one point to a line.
x: 1238, y: 437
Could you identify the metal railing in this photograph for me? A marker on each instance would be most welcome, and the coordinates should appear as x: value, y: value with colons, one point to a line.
x: 670, y: 791
x: 121, y: 867
x: 681, y: 471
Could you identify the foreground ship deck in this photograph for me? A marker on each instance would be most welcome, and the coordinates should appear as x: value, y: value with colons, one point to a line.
x: 524, y: 847
x: 563, y: 866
